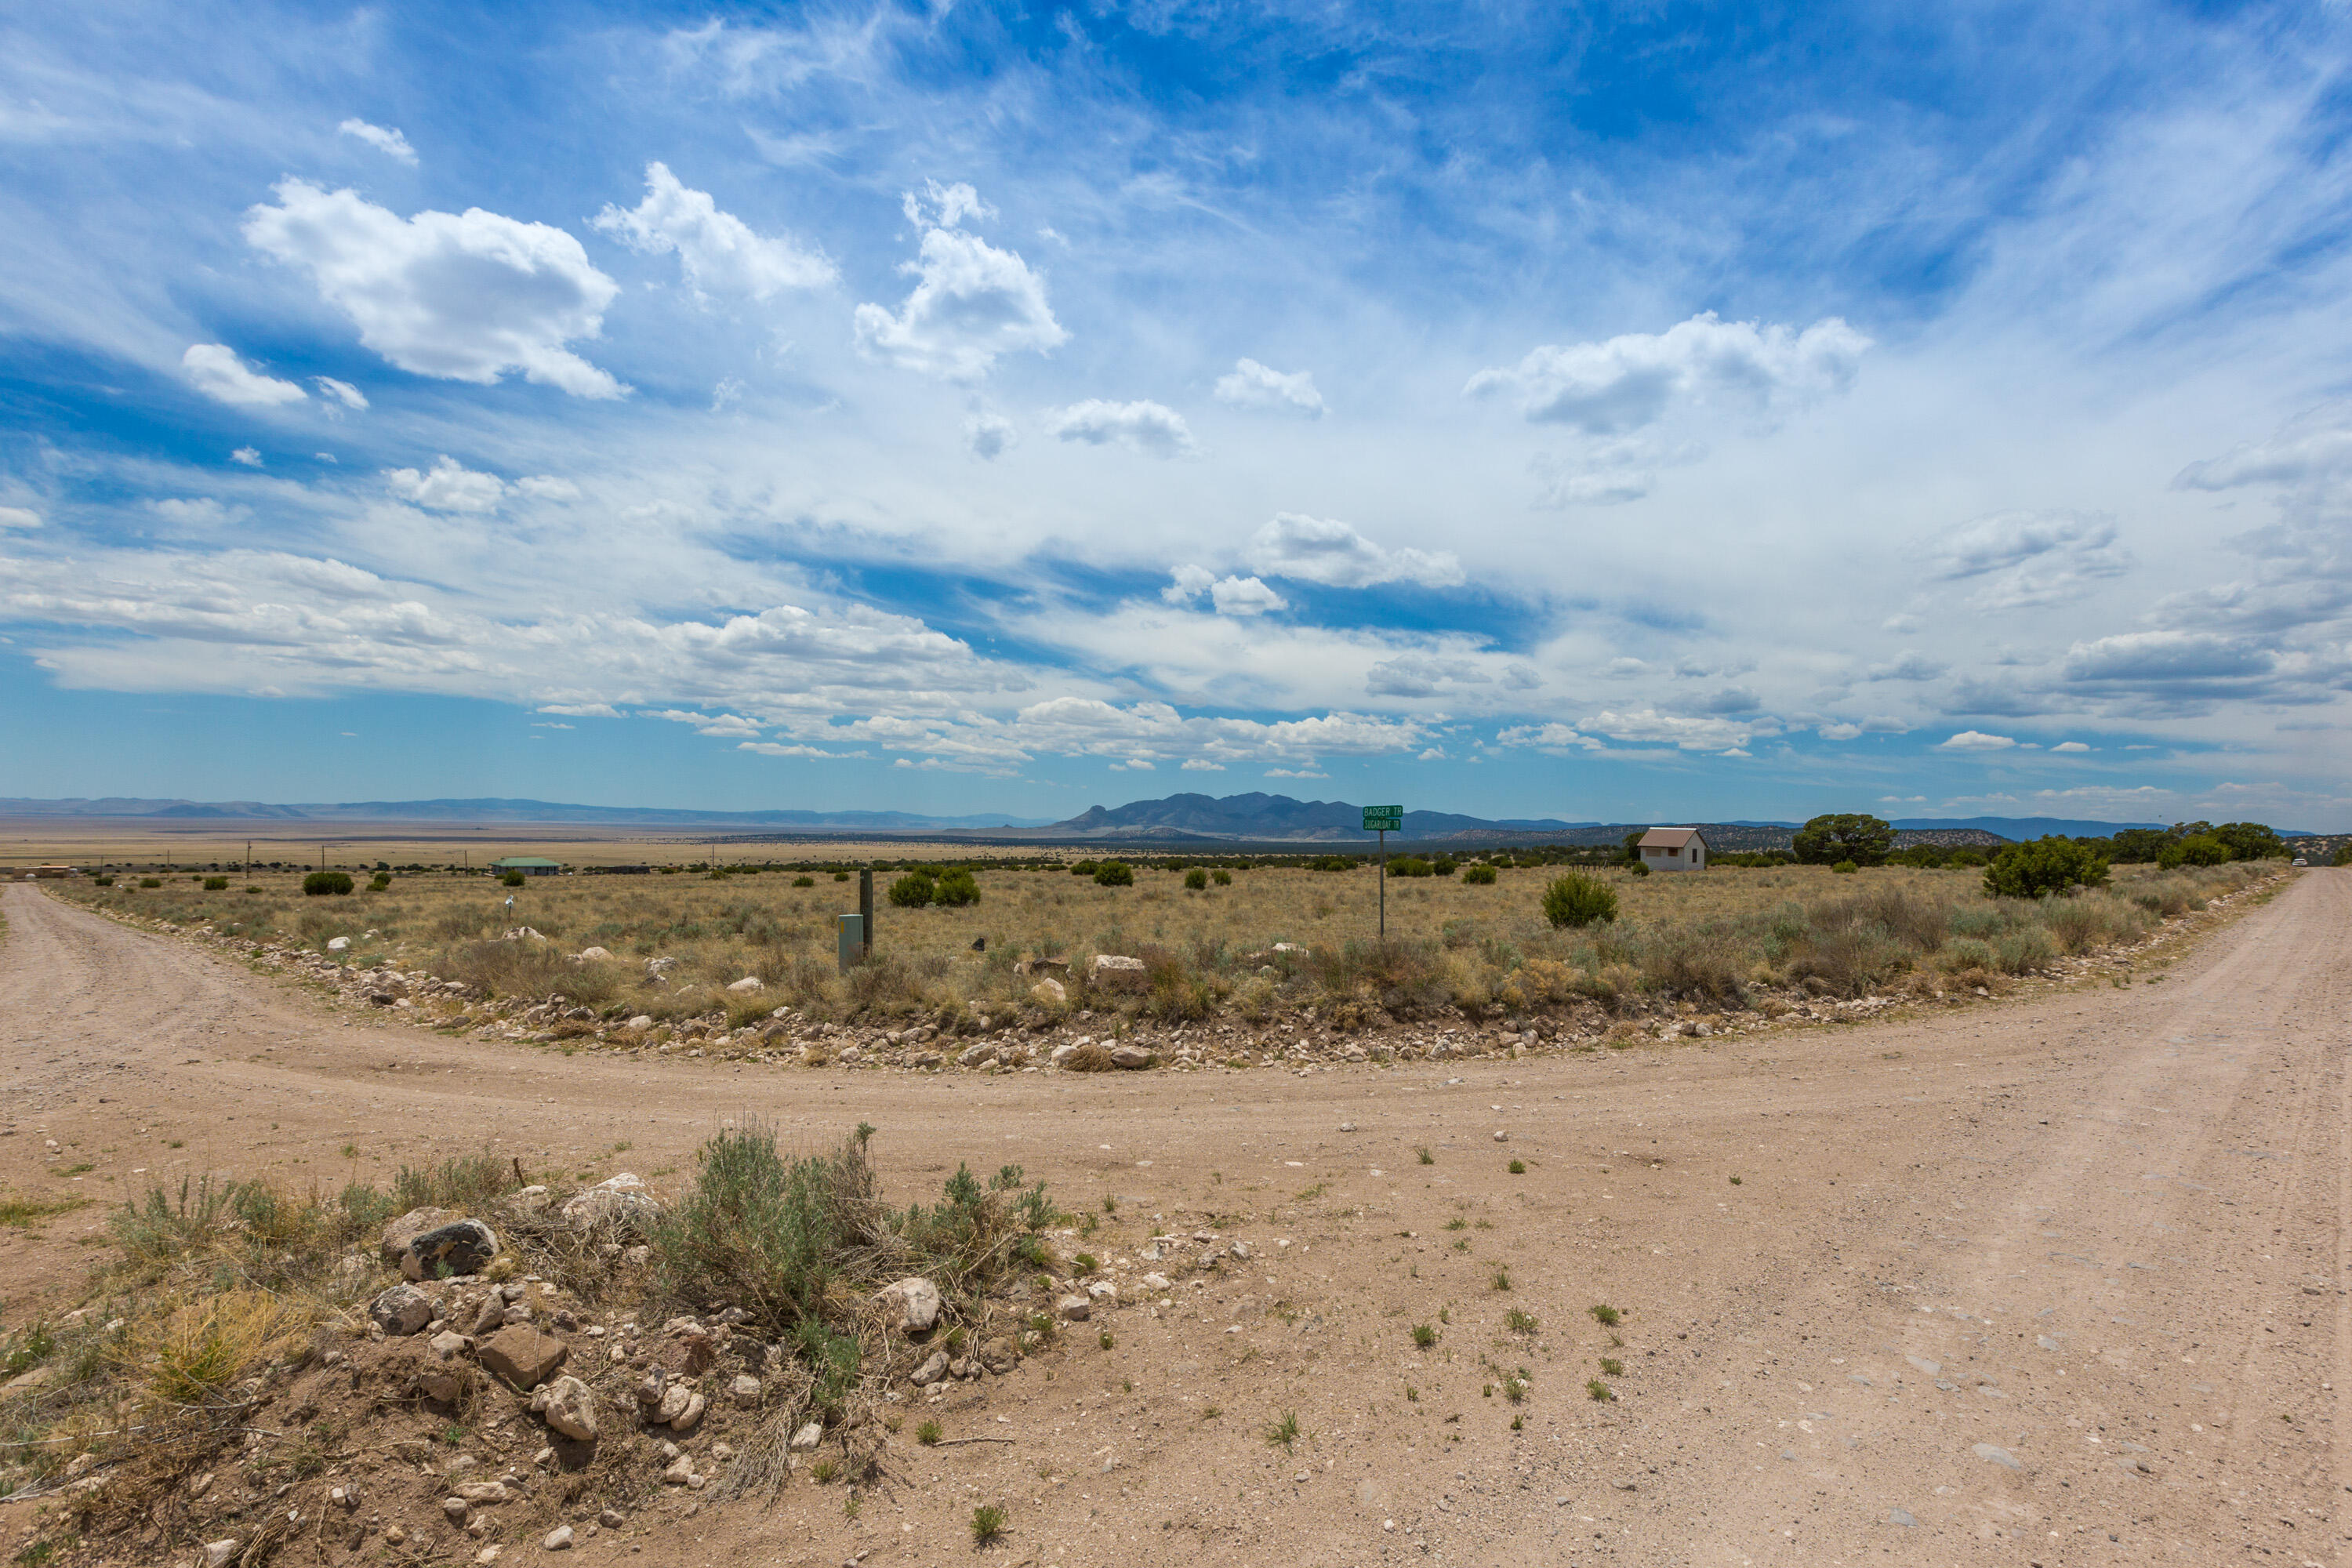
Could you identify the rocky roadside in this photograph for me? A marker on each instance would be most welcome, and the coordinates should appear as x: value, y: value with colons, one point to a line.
x: 1043, y: 1035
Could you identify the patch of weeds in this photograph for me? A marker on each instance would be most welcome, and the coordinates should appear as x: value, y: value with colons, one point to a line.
x: 1086, y: 1263
x: 1105, y: 1341
x: 987, y: 1524
x: 1211, y: 1412
x: 1110, y: 1204
x: 37, y: 1346
x: 1612, y: 1367
x: 1307, y: 1195
x: 1598, y: 1389
x: 35, y: 1553
x: 1125, y: 1385
x: 1413, y: 1394
x: 1501, y: 1278
x: 83, y: 1169
x: 25, y: 1213
x: 825, y: 1469
x: 1518, y: 1167
x: 1457, y: 1223
x: 1518, y: 1423
x: 1462, y: 1243
x: 1735, y: 1180
x: 1607, y: 1317
x: 1485, y: 1225
x: 1444, y: 1314
x: 454, y: 1435
x: 1283, y: 1432
x: 928, y: 1434
x: 1520, y: 1323
x: 851, y: 1505
x: 1426, y: 1157
x: 1424, y: 1335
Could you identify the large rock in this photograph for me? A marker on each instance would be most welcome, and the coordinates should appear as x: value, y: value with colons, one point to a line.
x: 521, y: 1355
x: 747, y: 985
x: 569, y: 1405
x: 594, y: 955
x: 1075, y: 1309
x: 621, y: 1197
x: 402, y: 1309
x: 1112, y: 971
x: 807, y: 1437
x: 1050, y: 994
x: 917, y: 1300
x: 408, y: 1228
x: 977, y: 1056
x: 745, y: 1391
x: 931, y: 1371
x: 465, y: 1247
x: 1132, y: 1057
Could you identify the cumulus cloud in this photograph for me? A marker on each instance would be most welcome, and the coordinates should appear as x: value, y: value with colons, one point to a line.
x: 724, y: 725
x: 779, y: 749
x: 1910, y: 667
x: 388, y: 141
x: 1553, y: 737
x: 2161, y: 657
x: 463, y: 296
x: 1202, y: 765
x: 1244, y: 597
x: 447, y: 486
x: 1689, y: 732
x: 717, y: 251
x: 20, y: 517
x: 2070, y: 746
x: 971, y: 302
x: 1322, y: 550
x: 2030, y: 560
x: 1635, y: 380
x: 547, y: 486
x: 215, y: 370
x: 1254, y: 385
x: 2314, y: 446
x: 989, y: 437
x: 1975, y: 741
x: 1150, y: 427
x: 1418, y: 675
x: 249, y: 455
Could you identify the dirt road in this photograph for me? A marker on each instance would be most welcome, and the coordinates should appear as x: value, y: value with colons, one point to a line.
x: 2051, y: 1282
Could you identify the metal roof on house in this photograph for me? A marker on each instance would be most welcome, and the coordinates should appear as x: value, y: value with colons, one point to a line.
x: 1670, y: 837
x: 518, y: 862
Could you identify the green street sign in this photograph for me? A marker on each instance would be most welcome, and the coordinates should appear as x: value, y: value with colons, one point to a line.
x: 1383, y: 819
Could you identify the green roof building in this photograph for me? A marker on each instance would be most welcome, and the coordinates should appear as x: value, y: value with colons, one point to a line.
x: 529, y: 865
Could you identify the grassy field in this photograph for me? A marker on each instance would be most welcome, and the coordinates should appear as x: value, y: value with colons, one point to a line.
x: 1706, y: 938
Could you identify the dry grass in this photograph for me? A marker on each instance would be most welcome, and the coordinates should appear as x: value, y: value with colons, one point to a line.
x: 1701, y: 938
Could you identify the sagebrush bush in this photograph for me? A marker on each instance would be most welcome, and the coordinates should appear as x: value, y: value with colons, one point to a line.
x: 1578, y: 900
x: 913, y: 891
x: 1114, y: 874
x: 2048, y: 864
x: 323, y: 884
x: 1481, y: 875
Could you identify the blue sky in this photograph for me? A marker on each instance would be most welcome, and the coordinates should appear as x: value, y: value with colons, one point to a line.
x: 1620, y: 412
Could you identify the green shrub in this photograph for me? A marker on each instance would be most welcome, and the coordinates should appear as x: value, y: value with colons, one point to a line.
x: 913, y: 891
x: 215, y: 884
x: 1222, y: 878
x: 376, y: 884
x: 158, y: 881
x: 958, y: 888
x: 2197, y: 849
x: 987, y: 1524
x: 1086, y: 867
x: 2048, y: 864
x: 1481, y: 874
x: 1114, y: 874
x: 803, y: 882
x: 107, y: 881
x: 2024, y: 951
x: 1843, y: 835
x: 320, y: 884
x: 1576, y: 900
x: 1197, y: 880
x: 1409, y: 866
x: 1638, y: 867
x: 511, y: 880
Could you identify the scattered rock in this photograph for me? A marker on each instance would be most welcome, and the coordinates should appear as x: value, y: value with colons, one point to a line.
x: 808, y: 1436
x: 456, y: 1509
x: 338, y: 943
x: 999, y: 1355
x: 744, y: 1391
x: 641, y: 1021
x: 32, y: 1382
x: 569, y: 1406
x: 594, y: 955
x: 679, y: 1473
x: 612, y: 1518
x: 1156, y: 1282
x: 1998, y: 1456
x: 1898, y: 1516
x: 521, y: 1355
x: 980, y: 1055
x: 747, y: 985
x: 1132, y: 1057
x: 917, y: 1300
x: 402, y: 1309
x: 671, y: 1406
x: 1501, y: 1136
x: 616, y: 1197
x: 1075, y: 1309
x: 1049, y: 994
x: 687, y: 1420
x: 483, y: 1494
x: 931, y: 1371
x: 398, y: 1233
x: 465, y: 1247
x: 558, y: 1540
x: 1113, y: 971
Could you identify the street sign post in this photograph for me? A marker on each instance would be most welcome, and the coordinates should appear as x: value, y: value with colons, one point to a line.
x: 1384, y: 820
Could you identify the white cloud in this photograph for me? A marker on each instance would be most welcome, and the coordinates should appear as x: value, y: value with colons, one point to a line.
x: 989, y: 437
x: 1418, y: 675
x: 547, y: 486
x: 777, y: 749
x: 2313, y: 447
x: 1553, y: 737
x: 1635, y: 380
x: 1325, y: 551
x: 1910, y: 667
x: 1202, y: 765
x: 1648, y: 726
x: 463, y: 296
x: 2030, y: 560
x: 447, y: 486
x: 249, y: 455
x: 390, y: 143
x: 1244, y: 597
x: 717, y: 251
x: 1295, y: 774
x: 2167, y: 657
x: 20, y: 517
x: 1254, y: 385
x: 944, y: 206
x: 1975, y: 741
x: 2070, y: 746
x: 194, y: 513
x: 1188, y: 583
x: 1839, y: 731
x: 215, y: 370
x: 726, y: 726
x: 971, y: 301
x: 1133, y: 764
x: 1145, y: 427
x: 340, y: 391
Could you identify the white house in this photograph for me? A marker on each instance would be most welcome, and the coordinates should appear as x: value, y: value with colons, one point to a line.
x: 1673, y: 849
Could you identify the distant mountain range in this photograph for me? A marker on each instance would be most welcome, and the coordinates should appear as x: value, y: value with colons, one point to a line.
x: 511, y: 810
x: 1253, y: 818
